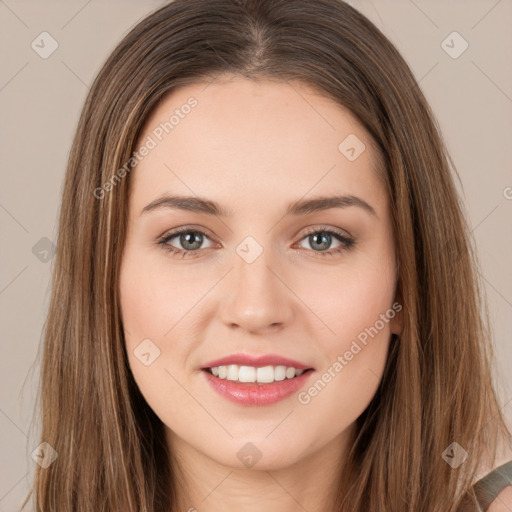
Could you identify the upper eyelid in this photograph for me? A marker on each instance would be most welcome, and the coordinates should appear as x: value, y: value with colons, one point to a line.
x: 314, y: 229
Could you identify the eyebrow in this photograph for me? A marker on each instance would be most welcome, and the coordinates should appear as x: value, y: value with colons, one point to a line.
x: 301, y: 207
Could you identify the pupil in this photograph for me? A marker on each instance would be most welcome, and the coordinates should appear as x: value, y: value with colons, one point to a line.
x: 324, y: 238
x: 191, y: 238
x: 321, y: 240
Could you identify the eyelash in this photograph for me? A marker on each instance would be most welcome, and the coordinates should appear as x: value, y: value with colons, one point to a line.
x: 347, y: 242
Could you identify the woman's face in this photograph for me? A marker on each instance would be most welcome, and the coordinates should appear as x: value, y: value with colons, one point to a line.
x: 271, y: 275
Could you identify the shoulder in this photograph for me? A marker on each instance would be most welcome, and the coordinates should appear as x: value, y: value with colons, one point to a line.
x: 503, y: 501
x: 494, y: 491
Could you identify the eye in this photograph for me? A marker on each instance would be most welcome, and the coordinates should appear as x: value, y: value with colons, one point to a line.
x: 320, y: 239
x: 191, y: 241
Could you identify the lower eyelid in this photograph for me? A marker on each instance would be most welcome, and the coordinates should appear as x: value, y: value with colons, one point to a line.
x: 335, y: 236
x: 167, y: 238
x: 345, y: 241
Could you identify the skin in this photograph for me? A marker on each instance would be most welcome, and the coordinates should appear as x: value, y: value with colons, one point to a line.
x: 503, y: 502
x: 254, y: 147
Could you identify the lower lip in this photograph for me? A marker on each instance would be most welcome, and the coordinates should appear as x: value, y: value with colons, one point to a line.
x: 252, y: 394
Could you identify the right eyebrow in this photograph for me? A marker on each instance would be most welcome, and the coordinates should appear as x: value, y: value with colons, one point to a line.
x: 189, y: 203
x: 301, y: 207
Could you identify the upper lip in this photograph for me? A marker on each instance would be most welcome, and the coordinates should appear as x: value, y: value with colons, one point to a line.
x: 257, y: 361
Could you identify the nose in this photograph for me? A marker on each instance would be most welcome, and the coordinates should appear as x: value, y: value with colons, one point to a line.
x: 256, y: 297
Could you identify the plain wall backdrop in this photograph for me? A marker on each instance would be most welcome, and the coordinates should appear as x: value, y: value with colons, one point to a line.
x: 460, y: 52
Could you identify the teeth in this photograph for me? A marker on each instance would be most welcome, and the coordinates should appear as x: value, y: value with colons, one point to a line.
x: 280, y: 372
x: 247, y: 374
x: 290, y: 372
x: 232, y: 372
x: 263, y: 375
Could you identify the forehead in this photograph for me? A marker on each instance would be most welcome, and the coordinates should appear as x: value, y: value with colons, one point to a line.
x: 239, y: 139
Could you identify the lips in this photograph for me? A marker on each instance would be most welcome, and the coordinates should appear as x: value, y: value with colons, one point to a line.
x: 261, y: 393
x: 258, y: 361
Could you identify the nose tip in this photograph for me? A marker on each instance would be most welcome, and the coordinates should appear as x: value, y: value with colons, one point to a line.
x: 255, y: 299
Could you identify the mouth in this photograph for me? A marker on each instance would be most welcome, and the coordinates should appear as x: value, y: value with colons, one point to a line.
x: 255, y: 375
x: 249, y: 385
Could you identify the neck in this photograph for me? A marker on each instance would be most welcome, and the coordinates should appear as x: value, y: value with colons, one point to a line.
x: 309, y: 483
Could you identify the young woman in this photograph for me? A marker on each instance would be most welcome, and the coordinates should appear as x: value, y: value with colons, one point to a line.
x: 265, y: 294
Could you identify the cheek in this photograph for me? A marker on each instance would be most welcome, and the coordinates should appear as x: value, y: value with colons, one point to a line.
x: 356, y: 305
x: 359, y: 313
x: 147, y: 305
x: 152, y: 299
x: 351, y: 300
x: 343, y: 389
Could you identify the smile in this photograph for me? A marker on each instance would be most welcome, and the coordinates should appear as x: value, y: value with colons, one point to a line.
x: 252, y: 386
x: 263, y: 375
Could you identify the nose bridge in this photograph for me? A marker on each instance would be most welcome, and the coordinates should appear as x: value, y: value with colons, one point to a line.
x: 252, y: 266
x: 256, y: 298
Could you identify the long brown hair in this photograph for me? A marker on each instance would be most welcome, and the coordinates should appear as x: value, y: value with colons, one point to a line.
x: 436, y: 389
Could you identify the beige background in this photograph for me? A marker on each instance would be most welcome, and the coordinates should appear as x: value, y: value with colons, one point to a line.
x: 40, y: 101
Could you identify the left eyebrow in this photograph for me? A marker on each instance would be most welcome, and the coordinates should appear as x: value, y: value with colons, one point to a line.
x: 306, y: 206
x: 301, y: 207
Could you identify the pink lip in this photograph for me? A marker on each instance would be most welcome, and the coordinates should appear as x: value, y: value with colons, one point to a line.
x: 246, y: 360
x: 253, y: 394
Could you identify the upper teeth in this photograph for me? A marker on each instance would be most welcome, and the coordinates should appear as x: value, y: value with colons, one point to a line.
x: 264, y: 375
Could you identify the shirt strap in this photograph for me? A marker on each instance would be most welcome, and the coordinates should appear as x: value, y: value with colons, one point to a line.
x: 488, y: 488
